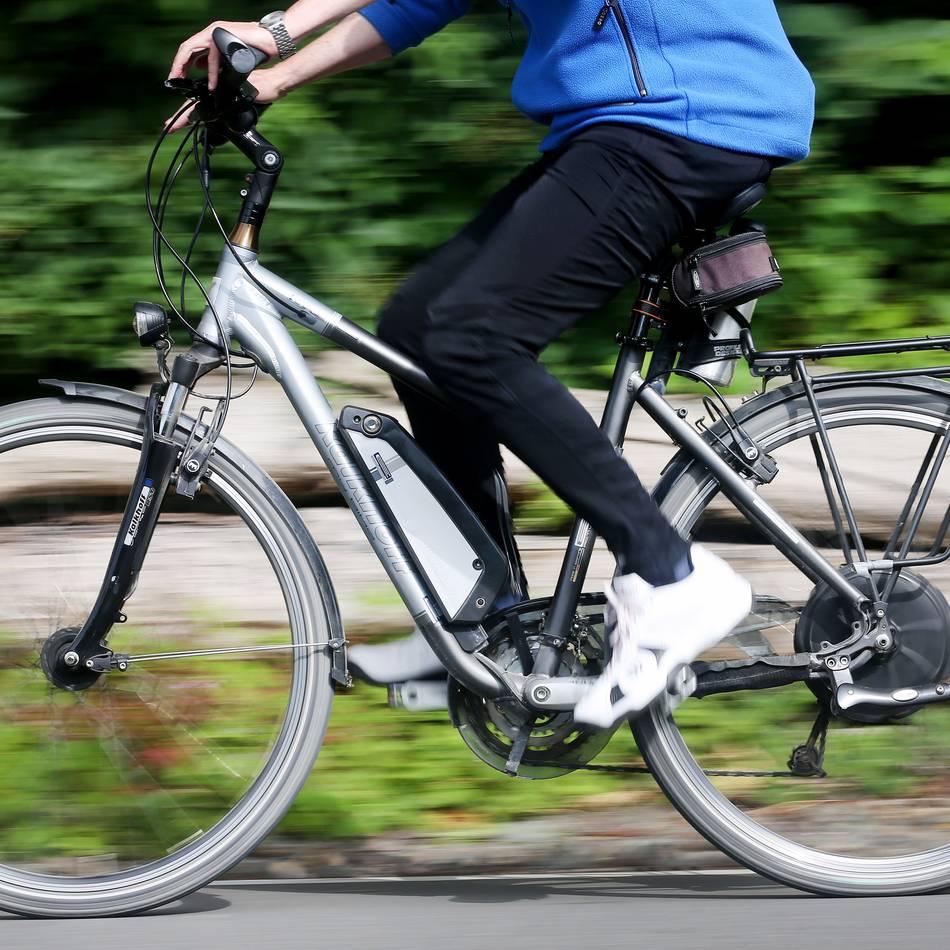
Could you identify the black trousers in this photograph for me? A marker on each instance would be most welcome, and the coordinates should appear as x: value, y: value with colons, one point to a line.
x: 554, y: 245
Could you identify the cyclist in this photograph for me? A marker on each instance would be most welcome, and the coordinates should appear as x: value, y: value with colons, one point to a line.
x: 658, y: 113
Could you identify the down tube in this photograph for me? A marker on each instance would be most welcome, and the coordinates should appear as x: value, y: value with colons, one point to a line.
x: 737, y: 490
x: 258, y: 328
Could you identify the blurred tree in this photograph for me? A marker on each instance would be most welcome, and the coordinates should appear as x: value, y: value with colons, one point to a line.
x: 383, y: 164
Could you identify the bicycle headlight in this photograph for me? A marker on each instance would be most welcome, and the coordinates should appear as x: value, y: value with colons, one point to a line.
x: 150, y: 322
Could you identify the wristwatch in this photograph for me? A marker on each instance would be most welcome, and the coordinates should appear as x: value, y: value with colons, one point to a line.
x: 274, y: 23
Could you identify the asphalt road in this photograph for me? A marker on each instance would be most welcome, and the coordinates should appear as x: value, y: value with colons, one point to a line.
x: 695, y: 910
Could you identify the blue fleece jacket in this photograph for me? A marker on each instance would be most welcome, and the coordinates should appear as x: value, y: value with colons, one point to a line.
x: 721, y: 72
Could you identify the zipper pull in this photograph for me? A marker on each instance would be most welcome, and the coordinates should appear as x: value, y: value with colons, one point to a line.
x: 697, y: 278
x: 602, y: 16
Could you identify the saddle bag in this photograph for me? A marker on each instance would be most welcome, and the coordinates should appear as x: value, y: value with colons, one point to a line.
x: 725, y: 273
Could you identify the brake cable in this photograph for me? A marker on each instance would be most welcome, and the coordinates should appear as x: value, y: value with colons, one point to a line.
x: 231, y: 246
x: 713, y: 773
x: 159, y: 271
x: 159, y: 238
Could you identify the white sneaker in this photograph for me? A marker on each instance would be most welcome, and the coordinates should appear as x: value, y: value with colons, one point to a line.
x: 409, y: 658
x: 659, y: 629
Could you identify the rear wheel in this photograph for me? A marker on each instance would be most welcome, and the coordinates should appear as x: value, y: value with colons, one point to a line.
x: 141, y: 786
x: 879, y: 823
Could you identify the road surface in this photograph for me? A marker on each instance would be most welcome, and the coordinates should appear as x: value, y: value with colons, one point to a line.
x: 695, y: 910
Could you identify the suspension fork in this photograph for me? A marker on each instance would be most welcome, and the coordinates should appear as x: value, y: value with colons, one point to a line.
x: 634, y: 346
x: 157, y: 462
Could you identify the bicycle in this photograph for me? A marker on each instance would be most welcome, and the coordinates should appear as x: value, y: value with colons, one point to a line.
x: 159, y: 727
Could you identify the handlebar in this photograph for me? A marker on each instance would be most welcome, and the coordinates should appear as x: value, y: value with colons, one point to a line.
x: 231, y: 103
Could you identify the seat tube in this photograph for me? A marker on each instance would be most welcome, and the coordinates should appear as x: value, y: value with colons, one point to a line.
x: 616, y: 415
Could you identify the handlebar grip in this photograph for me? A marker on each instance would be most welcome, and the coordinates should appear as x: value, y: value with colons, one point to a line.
x: 240, y: 57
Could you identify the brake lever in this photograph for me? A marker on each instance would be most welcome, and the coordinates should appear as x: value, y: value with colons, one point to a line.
x: 189, y: 88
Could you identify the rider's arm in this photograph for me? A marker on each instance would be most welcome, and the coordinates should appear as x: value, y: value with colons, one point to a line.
x: 382, y: 29
x: 353, y: 42
x: 405, y: 23
x: 400, y: 23
x: 302, y: 19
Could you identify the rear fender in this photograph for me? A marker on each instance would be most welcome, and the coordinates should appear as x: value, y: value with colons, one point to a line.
x: 787, y: 394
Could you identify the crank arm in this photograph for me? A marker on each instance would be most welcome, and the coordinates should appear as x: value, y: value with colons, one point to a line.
x: 554, y: 692
x: 156, y: 463
x: 848, y: 696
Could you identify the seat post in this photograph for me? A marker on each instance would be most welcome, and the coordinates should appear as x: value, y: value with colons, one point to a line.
x: 646, y: 308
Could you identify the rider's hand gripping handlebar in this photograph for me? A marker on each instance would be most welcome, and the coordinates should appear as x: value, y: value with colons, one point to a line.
x: 238, y: 61
x: 232, y: 100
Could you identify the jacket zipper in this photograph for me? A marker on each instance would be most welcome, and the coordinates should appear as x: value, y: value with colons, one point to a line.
x: 614, y: 5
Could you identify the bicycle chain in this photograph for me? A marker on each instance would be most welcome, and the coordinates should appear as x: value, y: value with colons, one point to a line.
x: 808, y: 758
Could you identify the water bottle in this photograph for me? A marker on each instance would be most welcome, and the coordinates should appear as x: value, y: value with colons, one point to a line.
x: 713, y: 350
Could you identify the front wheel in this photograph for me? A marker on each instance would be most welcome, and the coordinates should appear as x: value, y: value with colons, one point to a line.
x: 135, y: 788
x: 878, y: 821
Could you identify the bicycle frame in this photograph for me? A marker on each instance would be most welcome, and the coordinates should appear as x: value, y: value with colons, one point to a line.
x: 254, y: 319
x: 250, y: 303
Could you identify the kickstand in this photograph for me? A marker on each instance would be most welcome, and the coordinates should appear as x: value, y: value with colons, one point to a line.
x: 807, y: 760
x: 520, y: 746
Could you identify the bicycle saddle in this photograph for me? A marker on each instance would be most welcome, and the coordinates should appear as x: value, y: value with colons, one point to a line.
x: 738, y: 207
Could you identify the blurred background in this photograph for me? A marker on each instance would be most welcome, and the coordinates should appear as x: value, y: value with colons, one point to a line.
x: 384, y: 162
x: 381, y: 165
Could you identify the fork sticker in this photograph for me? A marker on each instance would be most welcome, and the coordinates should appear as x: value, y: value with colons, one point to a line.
x: 145, y: 499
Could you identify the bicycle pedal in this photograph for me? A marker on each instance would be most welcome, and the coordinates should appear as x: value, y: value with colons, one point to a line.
x: 419, y: 695
x: 680, y: 685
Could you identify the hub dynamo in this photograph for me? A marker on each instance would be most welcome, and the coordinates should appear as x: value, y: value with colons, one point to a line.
x: 53, y: 660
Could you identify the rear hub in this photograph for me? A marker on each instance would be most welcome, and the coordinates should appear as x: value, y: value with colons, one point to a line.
x: 919, y: 620
x: 64, y: 668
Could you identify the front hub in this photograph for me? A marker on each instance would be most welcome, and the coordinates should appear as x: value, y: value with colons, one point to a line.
x: 918, y: 619
x: 64, y: 668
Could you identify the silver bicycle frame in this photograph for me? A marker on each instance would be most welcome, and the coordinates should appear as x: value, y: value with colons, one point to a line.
x: 255, y: 319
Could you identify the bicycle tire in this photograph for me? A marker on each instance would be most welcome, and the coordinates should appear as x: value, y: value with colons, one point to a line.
x: 683, y: 493
x: 312, y: 606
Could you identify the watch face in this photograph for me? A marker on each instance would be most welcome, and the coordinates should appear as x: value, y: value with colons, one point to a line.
x: 272, y: 19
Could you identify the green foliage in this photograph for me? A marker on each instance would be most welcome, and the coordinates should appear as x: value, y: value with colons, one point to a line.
x: 540, y: 511
x: 386, y: 162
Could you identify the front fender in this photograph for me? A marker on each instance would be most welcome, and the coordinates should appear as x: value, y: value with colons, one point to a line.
x: 98, y: 391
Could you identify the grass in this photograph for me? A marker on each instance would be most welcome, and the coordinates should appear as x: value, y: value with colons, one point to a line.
x: 384, y: 769
x: 380, y: 770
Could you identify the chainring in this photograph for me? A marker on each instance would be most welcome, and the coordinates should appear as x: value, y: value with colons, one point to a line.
x: 919, y: 617
x: 489, y: 726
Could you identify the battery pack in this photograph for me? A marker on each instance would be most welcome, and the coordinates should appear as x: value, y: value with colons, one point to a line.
x: 460, y: 563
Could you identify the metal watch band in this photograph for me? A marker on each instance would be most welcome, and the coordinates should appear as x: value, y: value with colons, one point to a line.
x: 274, y: 23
